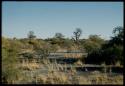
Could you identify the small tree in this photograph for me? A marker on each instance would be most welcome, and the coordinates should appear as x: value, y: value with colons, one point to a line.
x: 77, y: 35
x: 31, y: 35
x: 58, y: 39
x: 93, y: 43
x: 59, y: 35
x: 113, y: 50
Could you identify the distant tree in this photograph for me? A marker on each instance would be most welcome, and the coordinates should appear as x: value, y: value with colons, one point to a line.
x: 77, y: 35
x: 93, y: 46
x: 118, y: 31
x: 58, y: 39
x: 59, y: 35
x: 113, y: 49
x: 14, y: 38
x: 110, y: 52
x: 67, y: 44
x: 94, y: 42
x: 31, y: 36
x: 118, y: 35
x: 96, y: 38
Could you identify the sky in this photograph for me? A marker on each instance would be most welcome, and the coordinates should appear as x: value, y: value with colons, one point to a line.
x: 48, y: 18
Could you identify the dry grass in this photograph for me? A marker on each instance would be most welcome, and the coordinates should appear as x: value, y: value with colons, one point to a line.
x: 78, y: 63
x: 116, y: 79
x: 118, y: 64
x: 105, y: 79
x: 83, y: 80
x: 55, y: 76
x: 29, y: 66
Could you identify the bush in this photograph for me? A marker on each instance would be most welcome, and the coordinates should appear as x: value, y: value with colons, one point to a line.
x: 10, y: 71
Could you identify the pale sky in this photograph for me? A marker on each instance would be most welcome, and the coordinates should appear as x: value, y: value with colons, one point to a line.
x: 48, y: 18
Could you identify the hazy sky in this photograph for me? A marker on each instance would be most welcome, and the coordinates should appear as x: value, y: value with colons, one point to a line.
x: 47, y: 18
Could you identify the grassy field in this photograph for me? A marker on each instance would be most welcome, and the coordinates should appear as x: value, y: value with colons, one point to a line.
x: 53, y: 73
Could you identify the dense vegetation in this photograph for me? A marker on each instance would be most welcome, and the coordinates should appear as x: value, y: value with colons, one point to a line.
x: 110, y: 52
x: 99, y: 50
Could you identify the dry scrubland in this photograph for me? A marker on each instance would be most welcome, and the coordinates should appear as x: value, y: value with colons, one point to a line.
x: 98, y: 51
x: 53, y: 73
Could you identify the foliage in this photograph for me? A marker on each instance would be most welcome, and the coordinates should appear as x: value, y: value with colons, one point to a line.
x: 99, y: 50
x: 59, y: 35
x: 31, y: 35
x: 10, y: 71
x: 114, y: 48
x: 44, y: 50
x: 109, y: 52
x: 93, y: 43
x: 77, y: 35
